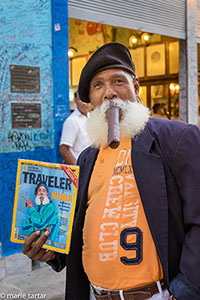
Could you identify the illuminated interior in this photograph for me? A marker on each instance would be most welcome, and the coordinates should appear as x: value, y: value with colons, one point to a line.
x: 156, y: 59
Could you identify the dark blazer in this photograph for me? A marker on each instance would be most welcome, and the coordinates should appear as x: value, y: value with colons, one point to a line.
x: 166, y: 164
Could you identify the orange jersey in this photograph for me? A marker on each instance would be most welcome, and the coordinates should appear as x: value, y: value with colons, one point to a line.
x: 118, y: 249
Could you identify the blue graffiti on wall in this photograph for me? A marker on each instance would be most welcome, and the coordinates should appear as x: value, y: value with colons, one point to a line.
x: 26, y: 39
x: 27, y: 141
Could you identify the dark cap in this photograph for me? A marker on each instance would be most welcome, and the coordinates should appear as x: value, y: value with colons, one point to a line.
x: 109, y: 56
x: 39, y: 185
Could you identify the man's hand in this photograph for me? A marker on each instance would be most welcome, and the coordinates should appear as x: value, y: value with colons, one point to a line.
x: 47, y: 228
x: 28, y: 202
x: 35, y: 251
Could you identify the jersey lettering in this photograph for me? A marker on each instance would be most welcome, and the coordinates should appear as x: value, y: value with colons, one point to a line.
x: 137, y: 246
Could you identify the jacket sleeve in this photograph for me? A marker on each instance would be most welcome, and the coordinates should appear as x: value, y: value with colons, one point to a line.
x: 59, y: 262
x: 186, y: 169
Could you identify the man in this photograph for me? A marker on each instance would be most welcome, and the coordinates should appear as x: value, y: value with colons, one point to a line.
x: 43, y: 217
x: 159, y: 111
x: 137, y: 224
x: 74, y: 136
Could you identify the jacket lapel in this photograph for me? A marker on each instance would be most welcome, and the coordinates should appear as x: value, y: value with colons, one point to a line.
x: 150, y: 177
x: 86, y: 166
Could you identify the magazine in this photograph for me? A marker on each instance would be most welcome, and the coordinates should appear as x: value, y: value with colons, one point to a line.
x: 45, y: 199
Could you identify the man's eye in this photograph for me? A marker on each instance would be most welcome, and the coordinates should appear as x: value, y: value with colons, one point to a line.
x: 97, y: 84
x: 119, y: 81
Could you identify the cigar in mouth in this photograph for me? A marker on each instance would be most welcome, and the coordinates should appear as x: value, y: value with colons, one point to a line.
x: 113, y: 126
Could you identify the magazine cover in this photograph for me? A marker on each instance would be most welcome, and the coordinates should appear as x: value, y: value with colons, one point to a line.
x: 45, y: 199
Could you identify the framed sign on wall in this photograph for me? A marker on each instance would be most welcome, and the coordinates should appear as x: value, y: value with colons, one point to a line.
x: 156, y: 64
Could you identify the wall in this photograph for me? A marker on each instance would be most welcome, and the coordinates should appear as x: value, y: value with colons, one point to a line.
x: 31, y: 118
x: 86, y: 37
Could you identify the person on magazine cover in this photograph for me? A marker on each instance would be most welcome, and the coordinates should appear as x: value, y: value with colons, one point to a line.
x: 136, y: 233
x: 44, y: 216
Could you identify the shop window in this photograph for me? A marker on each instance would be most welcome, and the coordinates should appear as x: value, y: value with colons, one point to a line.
x: 143, y: 94
x: 174, y: 89
x: 159, y: 96
x: 174, y: 57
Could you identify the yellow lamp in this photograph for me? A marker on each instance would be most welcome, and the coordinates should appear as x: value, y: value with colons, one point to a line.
x: 133, y: 41
x: 71, y: 52
x: 145, y: 38
x: 177, y: 88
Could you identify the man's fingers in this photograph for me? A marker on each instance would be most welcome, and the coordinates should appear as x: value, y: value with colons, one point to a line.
x: 37, y: 256
x: 42, y: 239
x: 34, y: 250
x: 36, y: 247
x: 31, y: 250
x: 29, y: 240
x: 49, y: 255
x: 44, y: 255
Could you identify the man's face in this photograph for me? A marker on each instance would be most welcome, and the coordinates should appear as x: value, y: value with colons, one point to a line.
x: 42, y: 192
x: 82, y: 106
x: 112, y: 84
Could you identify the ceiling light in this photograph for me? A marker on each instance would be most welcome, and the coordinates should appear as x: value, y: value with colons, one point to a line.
x: 145, y: 38
x: 174, y: 89
x: 177, y: 88
x: 71, y: 52
x: 133, y: 41
x: 172, y: 86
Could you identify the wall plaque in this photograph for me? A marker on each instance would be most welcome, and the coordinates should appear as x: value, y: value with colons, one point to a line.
x: 24, y: 79
x: 26, y: 115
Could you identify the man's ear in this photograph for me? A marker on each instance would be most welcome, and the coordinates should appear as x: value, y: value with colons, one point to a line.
x: 91, y: 107
x: 136, y: 85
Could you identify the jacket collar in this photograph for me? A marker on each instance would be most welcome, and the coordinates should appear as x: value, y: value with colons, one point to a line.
x: 143, y: 142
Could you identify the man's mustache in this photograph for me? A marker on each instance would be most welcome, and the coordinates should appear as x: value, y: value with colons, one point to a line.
x: 42, y: 199
x: 132, y: 119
